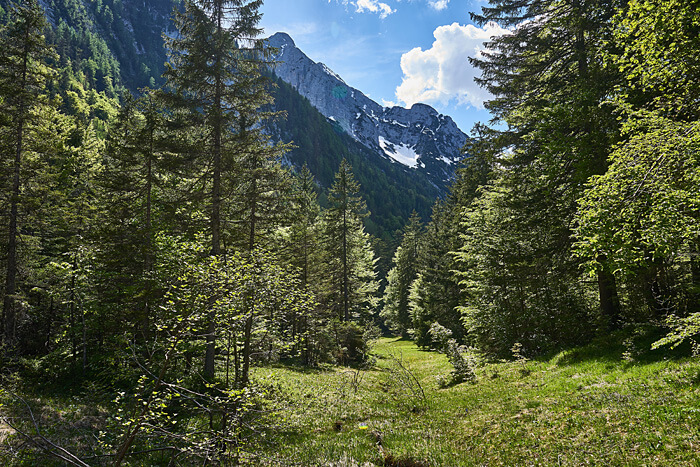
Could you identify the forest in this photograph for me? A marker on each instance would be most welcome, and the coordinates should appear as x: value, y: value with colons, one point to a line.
x: 168, y: 274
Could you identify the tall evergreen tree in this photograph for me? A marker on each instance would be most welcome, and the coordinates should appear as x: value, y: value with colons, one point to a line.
x: 24, y: 58
x: 396, y: 312
x: 550, y: 88
x: 135, y: 167
x: 434, y: 295
x: 214, y: 71
x: 349, y: 259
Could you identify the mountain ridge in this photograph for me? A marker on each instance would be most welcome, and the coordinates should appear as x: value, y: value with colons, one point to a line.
x: 419, y: 138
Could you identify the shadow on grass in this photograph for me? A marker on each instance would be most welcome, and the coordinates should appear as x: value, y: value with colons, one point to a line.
x: 629, y: 346
x: 300, y: 368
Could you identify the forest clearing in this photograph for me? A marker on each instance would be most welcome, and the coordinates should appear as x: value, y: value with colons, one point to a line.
x: 610, y: 403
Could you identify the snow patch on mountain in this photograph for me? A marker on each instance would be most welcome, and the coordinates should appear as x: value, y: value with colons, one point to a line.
x: 400, y: 153
x: 419, y: 138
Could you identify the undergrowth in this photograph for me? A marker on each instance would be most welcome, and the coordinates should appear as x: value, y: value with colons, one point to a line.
x: 614, y: 402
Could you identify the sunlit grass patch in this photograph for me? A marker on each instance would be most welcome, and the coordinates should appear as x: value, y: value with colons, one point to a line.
x: 584, y: 406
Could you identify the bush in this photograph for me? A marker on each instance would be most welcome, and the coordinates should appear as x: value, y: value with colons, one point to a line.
x: 352, y: 346
x: 460, y: 357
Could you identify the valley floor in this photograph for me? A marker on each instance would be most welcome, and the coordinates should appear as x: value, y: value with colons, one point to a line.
x: 605, y: 404
x: 612, y: 403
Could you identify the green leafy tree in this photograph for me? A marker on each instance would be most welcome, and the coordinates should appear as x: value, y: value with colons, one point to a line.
x: 650, y: 185
x: 642, y: 214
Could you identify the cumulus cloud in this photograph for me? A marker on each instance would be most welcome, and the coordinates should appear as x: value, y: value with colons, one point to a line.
x: 438, y: 5
x: 443, y: 74
x: 374, y: 6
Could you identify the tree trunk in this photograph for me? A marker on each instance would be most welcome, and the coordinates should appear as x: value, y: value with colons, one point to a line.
x: 609, y: 301
x: 215, y: 220
x: 9, y: 310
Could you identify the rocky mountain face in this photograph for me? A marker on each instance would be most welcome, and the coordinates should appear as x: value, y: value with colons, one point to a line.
x: 419, y: 138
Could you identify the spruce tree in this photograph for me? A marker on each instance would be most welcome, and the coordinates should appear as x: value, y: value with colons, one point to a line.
x: 349, y: 260
x: 24, y: 70
x: 550, y: 88
x: 396, y: 312
x: 215, y: 73
x: 134, y: 170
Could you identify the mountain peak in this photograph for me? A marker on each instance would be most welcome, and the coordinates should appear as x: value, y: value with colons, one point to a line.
x: 281, y: 38
x: 418, y: 138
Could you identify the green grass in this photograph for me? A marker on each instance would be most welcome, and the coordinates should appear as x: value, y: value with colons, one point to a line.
x: 588, y: 406
x: 596, y: 405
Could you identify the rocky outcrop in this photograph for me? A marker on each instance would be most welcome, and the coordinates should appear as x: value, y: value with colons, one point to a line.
x: 419, y: 138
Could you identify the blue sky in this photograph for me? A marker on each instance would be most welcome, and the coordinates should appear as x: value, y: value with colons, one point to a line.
x: 396, y: 51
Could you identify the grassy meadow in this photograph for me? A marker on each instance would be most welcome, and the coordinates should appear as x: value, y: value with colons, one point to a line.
x: 612, y: 403
x: 597, y: 405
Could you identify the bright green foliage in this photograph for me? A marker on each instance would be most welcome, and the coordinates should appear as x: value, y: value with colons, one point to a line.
x: 657, y: 50
x: 169, y: 404
x: 350, y: 282
x: 643, y: 213
x: 396, y: 312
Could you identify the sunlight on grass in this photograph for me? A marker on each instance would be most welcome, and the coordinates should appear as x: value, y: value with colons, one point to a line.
x: 576, y: 408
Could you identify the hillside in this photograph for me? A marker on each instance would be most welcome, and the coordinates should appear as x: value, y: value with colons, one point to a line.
x: 116, y: 45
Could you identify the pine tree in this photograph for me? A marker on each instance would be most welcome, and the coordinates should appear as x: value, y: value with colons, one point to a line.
x: 304, y: 235
x: 135, y: 167
x: 435, y: 294
x: 396, y: 312
x: 24, y: 70
x: 215, y: 72
x: 550, y: 87
x: 350, y: 278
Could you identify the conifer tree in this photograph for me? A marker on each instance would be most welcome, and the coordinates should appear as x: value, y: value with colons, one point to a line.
x: 396, y: 312
x: 435, y: 295
x: 349, y: 260
x: 214, y: 72
x: 217, y: 72
x: 304, y: 233
x: 24, y: 70
x: 550, y: 88
x: 131, y: 182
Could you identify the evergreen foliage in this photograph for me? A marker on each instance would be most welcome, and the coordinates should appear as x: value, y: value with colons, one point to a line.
x: 396, y: 312
x: 351, y: 284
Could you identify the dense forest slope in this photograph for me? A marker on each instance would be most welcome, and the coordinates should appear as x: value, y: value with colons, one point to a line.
x: 117, y: 45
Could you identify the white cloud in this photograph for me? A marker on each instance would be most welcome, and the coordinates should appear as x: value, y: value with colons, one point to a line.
x: 374, y: 6
x: 438, y: 5
x: 443, y: 73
